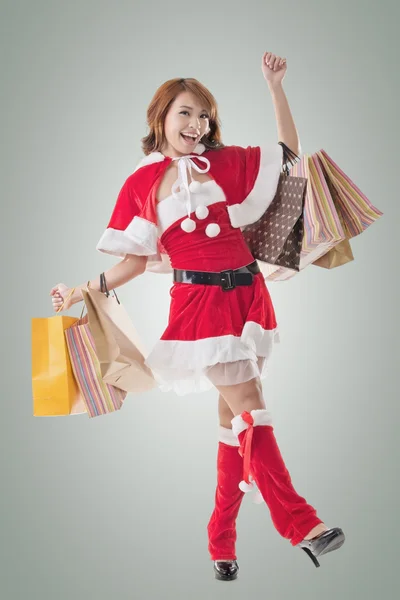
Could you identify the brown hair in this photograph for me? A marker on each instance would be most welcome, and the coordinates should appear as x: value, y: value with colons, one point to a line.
x: 159, y: 106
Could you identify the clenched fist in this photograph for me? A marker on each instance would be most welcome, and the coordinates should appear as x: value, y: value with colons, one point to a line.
x: 59, y: 294
x: 273, y: 67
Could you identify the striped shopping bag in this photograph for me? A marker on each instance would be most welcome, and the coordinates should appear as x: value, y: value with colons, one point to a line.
x: 99, y: 397
x: 335, y: 211
x: 356, y: 212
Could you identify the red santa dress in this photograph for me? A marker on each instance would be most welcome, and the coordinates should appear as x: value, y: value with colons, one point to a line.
x: 213, y: 336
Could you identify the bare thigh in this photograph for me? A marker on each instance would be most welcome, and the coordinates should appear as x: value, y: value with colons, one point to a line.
x: 224, y: 413
x: 241, y: 397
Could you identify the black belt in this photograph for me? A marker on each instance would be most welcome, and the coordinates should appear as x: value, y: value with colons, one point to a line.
x: 228, y: 280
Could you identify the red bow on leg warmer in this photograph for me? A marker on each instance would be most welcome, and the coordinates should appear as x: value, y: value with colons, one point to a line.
x: 291, y: 515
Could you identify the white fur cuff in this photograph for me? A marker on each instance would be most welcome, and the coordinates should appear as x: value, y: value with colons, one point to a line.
x: 140, y: 238
x: 258, y: 200
x: 227, y: 436
x: 260, y: 416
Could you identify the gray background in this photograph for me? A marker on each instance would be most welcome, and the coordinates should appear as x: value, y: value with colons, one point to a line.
x: 118, y: 506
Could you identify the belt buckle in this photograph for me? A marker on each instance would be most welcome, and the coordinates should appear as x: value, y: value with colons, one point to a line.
x: 227, y: 280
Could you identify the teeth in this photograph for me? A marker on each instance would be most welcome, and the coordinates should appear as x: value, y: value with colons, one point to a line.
x: 187, y: 137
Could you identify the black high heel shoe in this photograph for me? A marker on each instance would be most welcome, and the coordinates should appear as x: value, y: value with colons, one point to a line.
x: 322, y: 543
x: 226, y: 571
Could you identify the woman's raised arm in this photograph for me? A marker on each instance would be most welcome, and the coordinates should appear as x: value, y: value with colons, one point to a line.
x: 274, y: 69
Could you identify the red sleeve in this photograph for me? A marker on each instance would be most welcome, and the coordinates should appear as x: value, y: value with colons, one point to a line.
x: 127, y: 231
x: 256, y: 171
x: 125, y: 209
x: 130, y: 232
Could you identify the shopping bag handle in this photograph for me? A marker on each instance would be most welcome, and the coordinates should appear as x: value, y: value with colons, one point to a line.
x: 69, y: 295
x: 104, y: 288
x: 65, y: 299
x: 288, y: 156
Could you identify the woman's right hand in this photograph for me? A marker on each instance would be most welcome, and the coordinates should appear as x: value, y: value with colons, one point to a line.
x: 59, y: 293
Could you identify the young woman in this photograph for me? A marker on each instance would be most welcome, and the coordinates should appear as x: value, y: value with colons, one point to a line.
x: 181, y: 211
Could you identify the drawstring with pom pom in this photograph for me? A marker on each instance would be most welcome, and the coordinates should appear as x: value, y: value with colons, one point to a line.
x: 184, y: 164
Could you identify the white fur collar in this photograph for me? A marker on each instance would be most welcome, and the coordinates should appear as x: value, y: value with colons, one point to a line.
x: 159, y: 157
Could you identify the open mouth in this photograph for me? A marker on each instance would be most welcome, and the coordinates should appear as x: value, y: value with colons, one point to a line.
x: 189, y: 139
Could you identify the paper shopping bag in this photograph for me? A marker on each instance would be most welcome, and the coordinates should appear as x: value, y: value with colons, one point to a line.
x: 118, y: 348
x: 54, y: 388
x: 340, y: 255
x: 99, y: 397
x: 356, y: 212
x: 276, y: 238
x: 323, y: 229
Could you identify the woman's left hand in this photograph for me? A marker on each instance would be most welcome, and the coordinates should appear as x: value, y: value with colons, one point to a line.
x: 273, y: 67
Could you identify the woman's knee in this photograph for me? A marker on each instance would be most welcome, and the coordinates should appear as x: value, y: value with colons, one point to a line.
x: 243, y: 396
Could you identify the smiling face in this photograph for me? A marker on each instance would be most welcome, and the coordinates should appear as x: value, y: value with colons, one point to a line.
x: 185, y: 124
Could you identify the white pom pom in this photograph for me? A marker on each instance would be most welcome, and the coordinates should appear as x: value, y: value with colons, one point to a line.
x: 212, y: 229
x: 202, y: 212
x: 188, y: 225
x: 257, y: 498
x: 245, y: 487
x: 195, y: 187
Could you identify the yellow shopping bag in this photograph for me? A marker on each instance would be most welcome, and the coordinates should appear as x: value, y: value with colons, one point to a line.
x: 54, y: 388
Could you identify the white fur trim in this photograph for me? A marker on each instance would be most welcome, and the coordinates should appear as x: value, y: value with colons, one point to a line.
x: 227, y: 436
x: 144, y: 234
x: 260, y: 416
x: 188, y: 367
x: 254, y: 206
x: 140, y: 238
x: 181, y: 355
x: 114, y: 242
x: 155, y: 157
x: 200, y: 148
x: 171, y: 209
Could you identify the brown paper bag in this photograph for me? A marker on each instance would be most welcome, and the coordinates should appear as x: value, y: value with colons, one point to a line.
x: 118, y: 348
x: 337, y: 256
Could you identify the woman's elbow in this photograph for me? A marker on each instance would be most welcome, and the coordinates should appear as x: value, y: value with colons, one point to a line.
x: 137, y: 263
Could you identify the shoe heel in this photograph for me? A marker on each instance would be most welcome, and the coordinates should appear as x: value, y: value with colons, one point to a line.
x: 227, y: 578
x: 311, y: 555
